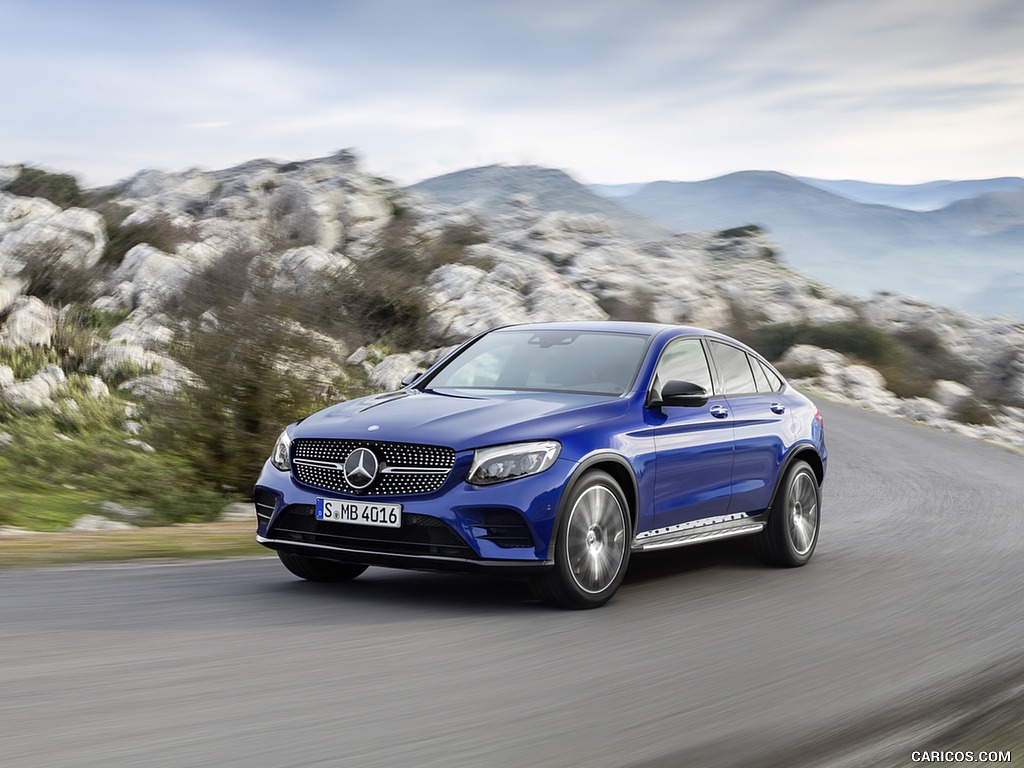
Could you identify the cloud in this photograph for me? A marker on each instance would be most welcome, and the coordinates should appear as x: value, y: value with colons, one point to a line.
x: 893, y: 90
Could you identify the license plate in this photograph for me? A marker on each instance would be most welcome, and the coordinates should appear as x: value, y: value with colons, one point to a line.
x: 359, y: 513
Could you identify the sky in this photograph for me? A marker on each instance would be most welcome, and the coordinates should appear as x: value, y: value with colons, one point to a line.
x: 612, y: 91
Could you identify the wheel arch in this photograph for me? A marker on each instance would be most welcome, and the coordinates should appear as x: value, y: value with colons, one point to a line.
x: 619, y: 469
x: 803, y: 452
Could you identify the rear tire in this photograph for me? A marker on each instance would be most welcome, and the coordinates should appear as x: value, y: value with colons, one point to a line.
x: 591, y: 544
x: 789, y: 538
x: 314, y: 569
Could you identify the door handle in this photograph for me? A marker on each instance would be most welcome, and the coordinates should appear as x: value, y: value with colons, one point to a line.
x: 719, y: 411
x: 777, y: 408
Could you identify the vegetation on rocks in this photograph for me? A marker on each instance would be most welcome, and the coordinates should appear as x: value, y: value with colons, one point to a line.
x: 251, y: 297
x: 61, y: 464
x: 911, y: 361
x: 161, y: 232
x: 59, y: 188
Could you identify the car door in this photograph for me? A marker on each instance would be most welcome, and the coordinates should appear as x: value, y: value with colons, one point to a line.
x: 693, y: 442
x: 759, y: 419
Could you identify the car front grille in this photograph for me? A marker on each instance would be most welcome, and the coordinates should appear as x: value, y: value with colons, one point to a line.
x: 419, y: 534
x: 404, y: 468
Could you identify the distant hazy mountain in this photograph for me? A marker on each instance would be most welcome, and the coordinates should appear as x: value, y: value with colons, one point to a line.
x: 615, y: 190
x: 915, y: 197
x: 945, y: 256
x: 552, y: 190
x: 955, y: 255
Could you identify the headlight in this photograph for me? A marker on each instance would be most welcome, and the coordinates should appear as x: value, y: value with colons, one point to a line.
x: 507, y: 462
x: 281, y: 453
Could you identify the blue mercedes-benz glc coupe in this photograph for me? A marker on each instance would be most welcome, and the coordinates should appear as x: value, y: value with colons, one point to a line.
x: 552, y: 452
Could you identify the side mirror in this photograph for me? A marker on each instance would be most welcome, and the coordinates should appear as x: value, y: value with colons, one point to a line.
x: 675, y: 392
x: 411, y: 378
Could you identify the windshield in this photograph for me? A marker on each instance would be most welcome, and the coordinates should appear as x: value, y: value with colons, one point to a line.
x: 589, y: 362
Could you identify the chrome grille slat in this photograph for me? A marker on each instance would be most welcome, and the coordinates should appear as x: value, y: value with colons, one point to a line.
x: 406, y: 468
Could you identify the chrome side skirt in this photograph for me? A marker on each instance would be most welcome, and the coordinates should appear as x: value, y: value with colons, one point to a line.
x: 697, y: 532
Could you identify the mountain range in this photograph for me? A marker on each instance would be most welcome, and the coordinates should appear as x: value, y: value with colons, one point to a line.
x: 957, y: 243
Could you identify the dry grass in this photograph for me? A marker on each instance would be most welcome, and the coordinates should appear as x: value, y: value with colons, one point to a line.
x: 193, y: 540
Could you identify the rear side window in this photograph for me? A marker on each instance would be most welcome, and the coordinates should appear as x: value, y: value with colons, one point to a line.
x: 760, y: 378
x: 733, y: 369
x: 774, y: 382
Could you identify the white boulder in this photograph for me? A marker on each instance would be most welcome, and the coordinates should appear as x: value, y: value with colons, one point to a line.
x: 860, y: 382
x: 73, y: 239
x: 10, y: 289
x: 951, y: 394
x: 238, y: 511
x: 17, y: 211
x: 141, y: 329
x: 464, y: 300
x: 299, y: 271
x: 96, y: 388
x: 37, y: 392
x: 388, y: 373
x: 29, y: 322
x: 153, y: 274
x: 8, y: 173
x: 98, y: 523
x: 921, y: 409
x: 808, y: 354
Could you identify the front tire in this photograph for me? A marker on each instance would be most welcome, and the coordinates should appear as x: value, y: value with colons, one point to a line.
x: 791, y: 535
x: 591, y: 543
x: 314, y: 569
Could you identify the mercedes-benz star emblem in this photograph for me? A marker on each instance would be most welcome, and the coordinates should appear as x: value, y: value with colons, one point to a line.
x: 361, y: 468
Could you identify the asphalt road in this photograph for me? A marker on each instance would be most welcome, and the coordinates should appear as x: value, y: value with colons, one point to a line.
x: 704, y: 657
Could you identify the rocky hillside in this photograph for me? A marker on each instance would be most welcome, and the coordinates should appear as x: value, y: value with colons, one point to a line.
x: 484, y: 189
x: 192, y: 314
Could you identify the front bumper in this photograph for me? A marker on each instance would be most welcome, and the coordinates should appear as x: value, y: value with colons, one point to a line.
x: 411, y: 562
x: 459, y: 527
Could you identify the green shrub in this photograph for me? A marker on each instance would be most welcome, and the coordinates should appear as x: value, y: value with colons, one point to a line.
x: 853, y: 338
x: 973, y: 411
x: 925, y: 354
x: 102, y: 321
x: 905, y: 381
x: 226, y: 425
x: 382, y: 297
x: 50, y: 279
x: 161, y: 232
x: 291, y: 221
x: 637, y: 308
x: 59, y: 188
x: 126, y: 370
x: 463, y: 235
x: 71, y: 343
x: 27, y: 361
x: 61, y: 462
x: 747, y: 230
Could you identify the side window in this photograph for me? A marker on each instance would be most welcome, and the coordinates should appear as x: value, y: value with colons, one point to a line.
x: 774, y: 382
x: 684, y: 360
x: 733, y: 369
x: 760, y: 378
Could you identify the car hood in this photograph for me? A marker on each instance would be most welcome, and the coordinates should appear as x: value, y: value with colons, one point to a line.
x: 461, y: 421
